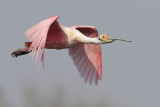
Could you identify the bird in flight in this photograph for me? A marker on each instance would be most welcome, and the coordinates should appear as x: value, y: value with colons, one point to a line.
x: 83, y: 44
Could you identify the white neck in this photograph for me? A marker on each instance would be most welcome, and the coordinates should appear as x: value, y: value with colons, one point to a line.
x: 83, y: 38
x: 89, y: 40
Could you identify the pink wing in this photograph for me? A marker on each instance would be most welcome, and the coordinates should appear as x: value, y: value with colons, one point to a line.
x: 40, y: 33
x: 87, y: 57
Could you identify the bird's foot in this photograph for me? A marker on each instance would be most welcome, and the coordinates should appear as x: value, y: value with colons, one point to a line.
x: 20, y: 52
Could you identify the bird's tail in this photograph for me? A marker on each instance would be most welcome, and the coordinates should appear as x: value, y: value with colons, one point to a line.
x: 27, y: 44
x: 24, y: 51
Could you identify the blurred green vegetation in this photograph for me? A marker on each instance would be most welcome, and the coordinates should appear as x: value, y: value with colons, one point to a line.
x: 58, y: 98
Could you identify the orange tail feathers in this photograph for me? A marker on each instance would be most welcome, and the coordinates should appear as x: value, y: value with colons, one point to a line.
x: 27, y: 44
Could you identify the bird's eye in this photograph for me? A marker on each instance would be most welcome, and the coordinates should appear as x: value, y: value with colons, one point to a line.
x: 103, y: 37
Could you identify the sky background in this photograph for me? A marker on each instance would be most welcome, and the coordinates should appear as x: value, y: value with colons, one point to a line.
x: 131, y: 71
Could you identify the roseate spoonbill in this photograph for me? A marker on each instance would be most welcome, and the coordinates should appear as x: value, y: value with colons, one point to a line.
x: 82, y: 42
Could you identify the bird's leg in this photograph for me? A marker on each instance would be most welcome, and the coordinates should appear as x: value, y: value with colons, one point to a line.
x: 20, y: 52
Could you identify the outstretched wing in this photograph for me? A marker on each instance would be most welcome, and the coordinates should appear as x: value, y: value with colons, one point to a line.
x: 39, y: 33
x: 87, y: 57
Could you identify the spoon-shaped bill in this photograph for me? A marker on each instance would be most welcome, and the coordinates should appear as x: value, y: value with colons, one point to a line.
x: 123, y: 40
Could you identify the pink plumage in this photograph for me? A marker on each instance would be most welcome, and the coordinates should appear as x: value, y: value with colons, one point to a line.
x: 87, y: 57
x: 52, y: 35
x: 82, y: 42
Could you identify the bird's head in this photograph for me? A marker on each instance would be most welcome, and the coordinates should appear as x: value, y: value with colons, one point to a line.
x: 106, y: 39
